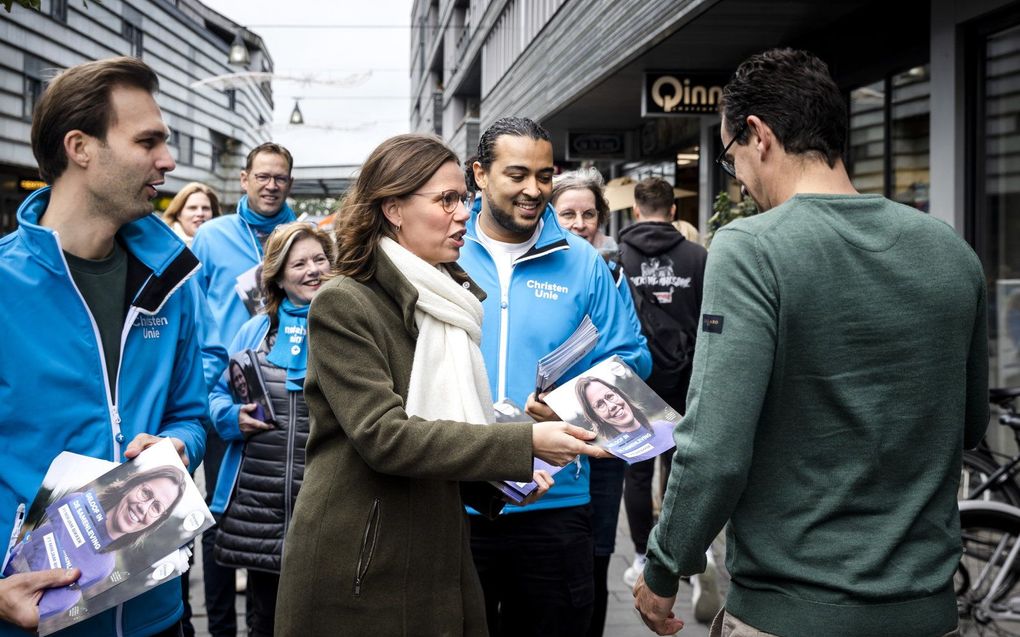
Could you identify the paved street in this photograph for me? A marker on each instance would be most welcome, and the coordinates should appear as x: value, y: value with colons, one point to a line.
x: 621, y: 619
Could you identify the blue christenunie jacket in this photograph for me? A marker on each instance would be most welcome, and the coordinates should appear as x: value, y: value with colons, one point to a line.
x: 552, y: 287
x: 224, y: 411
x: 54, y: 389
x: 227, y: 248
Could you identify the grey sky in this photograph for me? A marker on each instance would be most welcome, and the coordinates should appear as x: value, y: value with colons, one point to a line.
x: 337, y: 131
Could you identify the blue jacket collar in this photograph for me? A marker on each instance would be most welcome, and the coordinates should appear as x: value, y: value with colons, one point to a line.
x: 552, y: 238
x: 149, y: 240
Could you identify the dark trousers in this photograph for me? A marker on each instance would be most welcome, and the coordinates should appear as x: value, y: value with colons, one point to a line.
x: 220, y: 582
x: 536, y: 571
x: 187, y: 629
x: 262, y: 589
x: 606, y: 491
x: 637, y: 498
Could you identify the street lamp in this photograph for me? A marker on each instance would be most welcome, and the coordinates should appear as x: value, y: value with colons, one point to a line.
x: 295, y: 115
x: 238, y: 51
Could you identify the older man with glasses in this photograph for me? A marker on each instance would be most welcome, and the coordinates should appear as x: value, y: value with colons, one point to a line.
x: 230, y: 249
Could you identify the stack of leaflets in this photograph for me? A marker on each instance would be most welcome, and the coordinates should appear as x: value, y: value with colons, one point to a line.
x: 556, y: 363
x: 121, y: 525
x: 247, y: 385
x: 551, y: 368
x: 631, y: 421
x: 509, y: 411
x: 249, y: 289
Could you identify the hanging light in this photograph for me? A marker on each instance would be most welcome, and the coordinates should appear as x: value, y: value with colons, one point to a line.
x: 238, y: 51
x: 295, y: 115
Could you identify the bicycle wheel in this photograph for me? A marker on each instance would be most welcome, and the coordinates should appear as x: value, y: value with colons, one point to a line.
x: 987, y: 575
x: 975, y: 471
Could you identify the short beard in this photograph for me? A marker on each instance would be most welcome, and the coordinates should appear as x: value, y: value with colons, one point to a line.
x: 506, y: 220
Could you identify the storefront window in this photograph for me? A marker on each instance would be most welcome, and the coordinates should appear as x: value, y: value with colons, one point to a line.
x: 867, y: 137
x: 997, y: 220
x: 910, y: 132
x: 890, y: 136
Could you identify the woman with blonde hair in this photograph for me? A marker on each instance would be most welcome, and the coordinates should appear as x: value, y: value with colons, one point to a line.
x: 263, y: 466
x: 399, y: 400
x: 195, y: 204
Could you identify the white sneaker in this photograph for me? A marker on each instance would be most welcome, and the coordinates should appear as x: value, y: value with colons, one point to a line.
x: 705, y: 597
x: 634, y: 570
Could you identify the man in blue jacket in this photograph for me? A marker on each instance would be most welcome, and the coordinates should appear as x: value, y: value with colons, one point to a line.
x: 230, y: 249
x: 101, y: 351
x: 536, y: 562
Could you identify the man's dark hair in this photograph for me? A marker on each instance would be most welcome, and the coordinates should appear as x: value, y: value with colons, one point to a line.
x: 516, y: 126
x: 654, y: 196
x: 793, y: 92
x: 79, y: 99
x: 469, y: 174
x: 272, y: 149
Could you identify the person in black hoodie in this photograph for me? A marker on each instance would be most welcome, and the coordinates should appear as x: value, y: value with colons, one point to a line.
x: 665, y: 272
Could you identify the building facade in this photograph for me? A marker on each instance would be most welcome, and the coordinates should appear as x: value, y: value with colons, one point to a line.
x: 630, y: 86
x: 214, y: 124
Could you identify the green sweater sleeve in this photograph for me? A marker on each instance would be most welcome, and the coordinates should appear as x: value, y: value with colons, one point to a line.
x: 733, y: 364
x: 977, y: 375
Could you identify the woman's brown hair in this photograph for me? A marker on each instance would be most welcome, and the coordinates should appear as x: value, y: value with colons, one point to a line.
x: 173, y: 211
x: 278, y: 246
x: 396, y: 168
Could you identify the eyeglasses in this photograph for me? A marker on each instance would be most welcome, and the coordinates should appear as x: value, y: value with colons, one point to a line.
x: 146, y: 494
x: 263, y: 178
x: 726, y: 164
x: 603, y: 405
x: 448, y: 198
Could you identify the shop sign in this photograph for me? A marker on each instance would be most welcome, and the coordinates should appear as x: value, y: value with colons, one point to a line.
x: 669, y: 93
x: 30, y: 184
x: 596, y: 145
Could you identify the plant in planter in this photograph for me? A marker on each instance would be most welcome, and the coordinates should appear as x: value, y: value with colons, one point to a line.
x: 726, y: 210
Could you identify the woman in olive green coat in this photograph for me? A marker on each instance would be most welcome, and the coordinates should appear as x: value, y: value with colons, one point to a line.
x: 379, y: 541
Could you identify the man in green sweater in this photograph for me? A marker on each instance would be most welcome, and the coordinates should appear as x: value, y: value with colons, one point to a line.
x: 842, y: 366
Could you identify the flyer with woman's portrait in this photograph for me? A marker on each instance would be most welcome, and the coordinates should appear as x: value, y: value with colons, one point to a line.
x: 247, y: 386
x: 631, y: 421
x: 115, y: 528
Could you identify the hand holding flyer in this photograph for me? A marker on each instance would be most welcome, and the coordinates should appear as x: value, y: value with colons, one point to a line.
x: 117, y: 529
x: 631, y: 421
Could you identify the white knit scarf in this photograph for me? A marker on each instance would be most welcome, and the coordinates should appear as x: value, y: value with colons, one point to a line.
x: 448, y: 378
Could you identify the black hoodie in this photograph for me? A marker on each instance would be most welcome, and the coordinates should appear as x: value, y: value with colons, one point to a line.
x: 665, y: 269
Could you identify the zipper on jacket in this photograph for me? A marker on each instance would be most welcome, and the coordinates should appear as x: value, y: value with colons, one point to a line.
x: 111, y: 405
x: 504, y: 327
x: 288, y: 484
x: 368, y: 543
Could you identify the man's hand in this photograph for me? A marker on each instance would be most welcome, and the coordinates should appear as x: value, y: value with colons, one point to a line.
x: 544, y: 482
x: 249, y: 425
x: 144, y: 441
x: 19, y: 594
x: 558, y: 443
x: 656, y: 612
x: 537, y: 409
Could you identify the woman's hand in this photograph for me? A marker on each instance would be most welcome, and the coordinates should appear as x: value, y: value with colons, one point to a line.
x: 558, y: 443
x: 544, y: 482
x: 249, y: 425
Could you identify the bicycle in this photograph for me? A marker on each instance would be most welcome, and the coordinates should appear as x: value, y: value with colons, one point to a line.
x: 984, y: 476
x: 990, y: 534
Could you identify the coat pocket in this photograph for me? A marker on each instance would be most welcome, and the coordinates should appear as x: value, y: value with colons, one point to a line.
x: 368, y: 544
